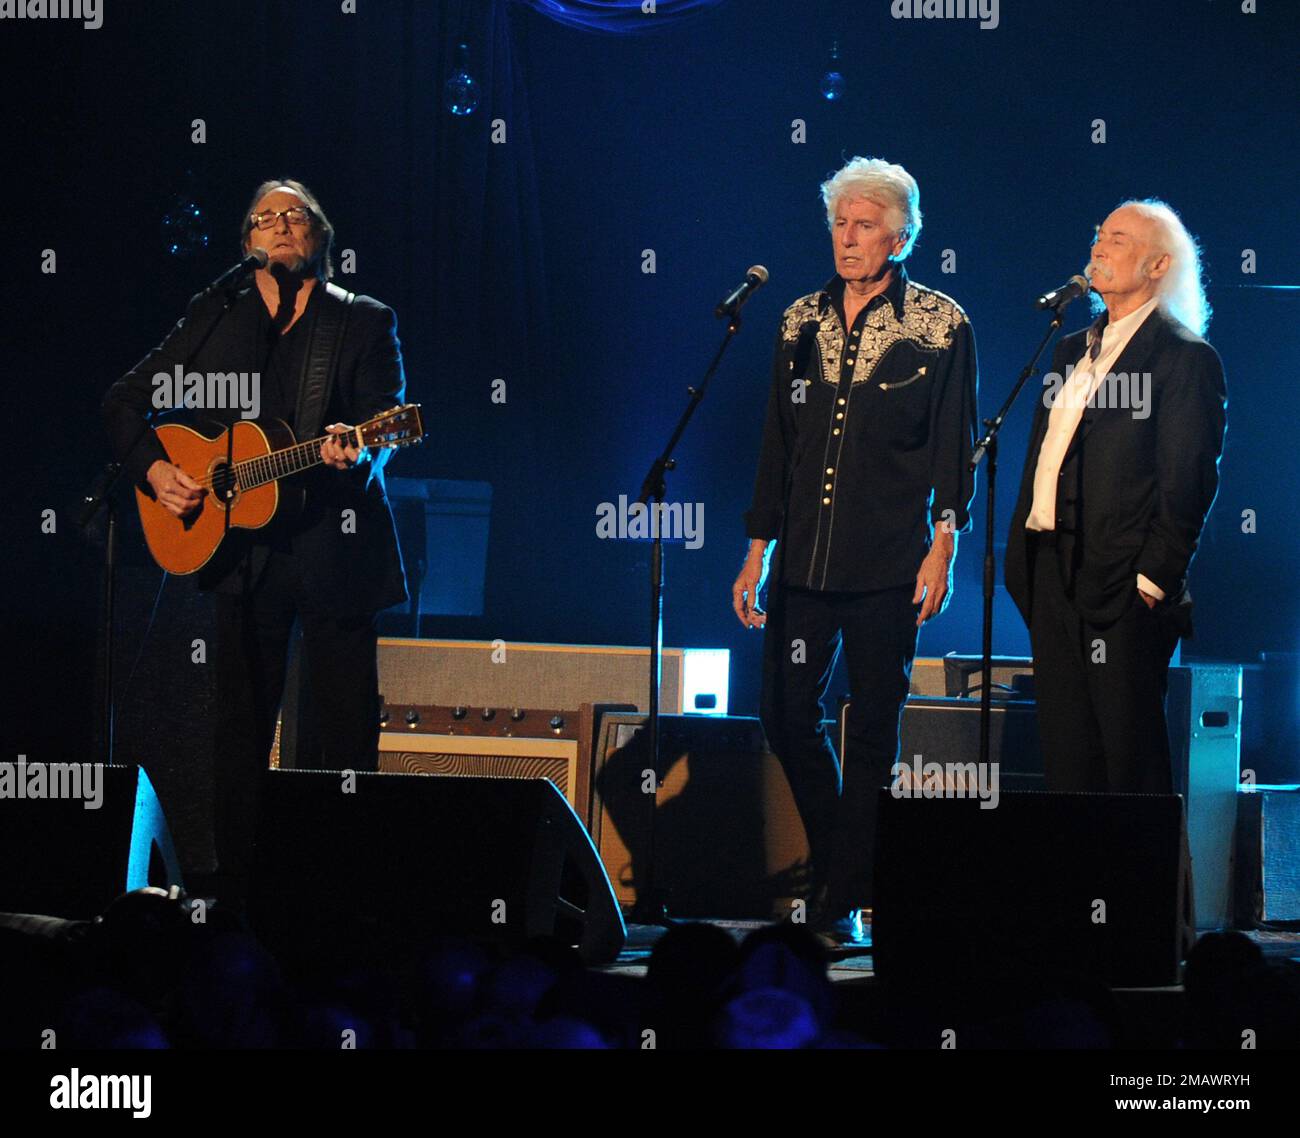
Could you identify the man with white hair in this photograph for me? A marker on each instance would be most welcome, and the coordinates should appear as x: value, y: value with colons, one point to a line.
x: 1112, y: 503
x: 863, y: 484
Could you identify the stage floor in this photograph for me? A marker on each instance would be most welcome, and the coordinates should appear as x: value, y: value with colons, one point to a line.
x: 854, y: 964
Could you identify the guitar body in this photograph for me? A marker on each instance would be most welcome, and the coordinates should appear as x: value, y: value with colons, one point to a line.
x: 248, y: 494
x: 185, y: 545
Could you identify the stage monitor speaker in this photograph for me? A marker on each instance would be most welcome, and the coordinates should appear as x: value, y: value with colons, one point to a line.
x: 1204, y: 715
x: 74, y: 836
x: 1093, y: 884
x: 384, y: 861
x: 728, y: 841
x: 1268, y: 855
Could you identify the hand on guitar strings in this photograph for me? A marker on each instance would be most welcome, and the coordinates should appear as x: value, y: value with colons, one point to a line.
x: 334, y: 453
x: 175, y: 489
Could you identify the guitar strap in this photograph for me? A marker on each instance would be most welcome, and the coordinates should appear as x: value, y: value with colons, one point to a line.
x: 322, y: 362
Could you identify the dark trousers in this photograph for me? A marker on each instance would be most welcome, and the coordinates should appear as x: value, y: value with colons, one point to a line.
x: 340, y: 673
x: 805, y: 633
x: 1100, y: 688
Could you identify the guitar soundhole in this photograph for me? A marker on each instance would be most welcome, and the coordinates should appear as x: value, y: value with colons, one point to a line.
x: 224, y: 482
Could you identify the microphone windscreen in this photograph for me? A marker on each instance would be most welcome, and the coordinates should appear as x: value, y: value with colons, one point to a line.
x: 261, y: 256
x: 757, y: 271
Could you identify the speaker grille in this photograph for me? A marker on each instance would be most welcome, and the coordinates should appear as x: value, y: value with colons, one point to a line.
x: 484, y: 766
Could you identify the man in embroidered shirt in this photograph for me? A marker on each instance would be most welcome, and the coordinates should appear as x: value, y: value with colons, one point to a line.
x: 862, y: 487
x: 1120, y: 474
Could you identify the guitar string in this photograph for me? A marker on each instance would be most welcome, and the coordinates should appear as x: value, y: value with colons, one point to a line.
x: 309, y: 450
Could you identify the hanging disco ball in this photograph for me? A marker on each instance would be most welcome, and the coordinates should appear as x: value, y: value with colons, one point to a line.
x: 185, y: 227
x: 832, y: 85
x: 461, y: 91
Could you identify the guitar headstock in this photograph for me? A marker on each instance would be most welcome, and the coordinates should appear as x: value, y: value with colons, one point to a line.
x: 398, y: 427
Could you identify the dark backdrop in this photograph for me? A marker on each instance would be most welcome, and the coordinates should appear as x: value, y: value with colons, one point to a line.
x: 522, y: 261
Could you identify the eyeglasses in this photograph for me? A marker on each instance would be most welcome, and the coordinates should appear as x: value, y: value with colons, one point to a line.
x: 268, y: 218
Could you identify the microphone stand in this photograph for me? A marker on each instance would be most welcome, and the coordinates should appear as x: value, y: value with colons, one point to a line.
x: 100, y: 497
x: 988, y: 445
x: 651, y: 906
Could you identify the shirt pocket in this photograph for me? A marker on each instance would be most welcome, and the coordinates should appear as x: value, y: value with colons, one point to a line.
x: 900, y: 393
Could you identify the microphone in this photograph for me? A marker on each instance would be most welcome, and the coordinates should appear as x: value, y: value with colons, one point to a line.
x: 256, y: 259
x: 1074, y: 288
x: 754, y: 277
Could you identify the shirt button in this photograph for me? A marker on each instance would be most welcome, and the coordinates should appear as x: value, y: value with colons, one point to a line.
x: 826, y: 501
x: 839, y: 414
x: 828, y: 485
x: 830, y: 470
x: 841, y: 402
x: 836, y: 431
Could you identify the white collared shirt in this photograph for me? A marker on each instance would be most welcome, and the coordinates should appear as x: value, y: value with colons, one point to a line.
x: 1067, y: 411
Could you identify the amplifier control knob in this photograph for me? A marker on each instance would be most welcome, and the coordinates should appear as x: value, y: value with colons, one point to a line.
x: 459, y: 712
x: 383, y: 717
x: 557, y: 722
x: 517, y: 714
x: 488, y: 714
x: 412, y: 717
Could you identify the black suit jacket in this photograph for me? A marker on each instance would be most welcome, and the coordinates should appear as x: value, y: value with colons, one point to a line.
x: 347, y: 573
x: 1133, y: 493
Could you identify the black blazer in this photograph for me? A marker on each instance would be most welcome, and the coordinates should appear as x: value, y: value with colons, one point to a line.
x: 349, y: 573
x: 1133, y: 493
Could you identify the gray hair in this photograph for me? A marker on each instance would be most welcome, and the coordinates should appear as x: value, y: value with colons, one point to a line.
x: 884, y: 183
x: 1181, y: 291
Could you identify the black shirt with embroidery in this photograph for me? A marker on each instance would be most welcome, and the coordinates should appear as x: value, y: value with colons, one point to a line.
x: 868, y: 437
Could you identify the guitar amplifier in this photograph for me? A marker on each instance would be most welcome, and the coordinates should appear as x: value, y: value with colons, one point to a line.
x: 954, y: 675
x: 511, y: 742
x: 498, y: 673
x: 505, y: 675
x: 937, y: 729
x: 1268, y: 855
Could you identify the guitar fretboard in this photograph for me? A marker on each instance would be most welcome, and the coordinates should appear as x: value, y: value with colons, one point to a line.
x: 266, y: 468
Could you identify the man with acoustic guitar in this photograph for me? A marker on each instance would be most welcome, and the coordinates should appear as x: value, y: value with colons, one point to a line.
x: 328, y: 556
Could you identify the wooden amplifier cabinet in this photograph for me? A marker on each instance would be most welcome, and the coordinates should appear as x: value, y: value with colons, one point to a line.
x: 503, y: 742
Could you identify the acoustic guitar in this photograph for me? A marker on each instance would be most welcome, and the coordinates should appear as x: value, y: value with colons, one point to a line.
x: 246, y: 494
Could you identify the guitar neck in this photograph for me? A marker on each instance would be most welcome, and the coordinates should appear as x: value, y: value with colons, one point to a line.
x: 290, y: 460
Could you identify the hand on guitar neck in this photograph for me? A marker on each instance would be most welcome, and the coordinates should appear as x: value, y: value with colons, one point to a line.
x: 333, y: 453
x: 181, y: 495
